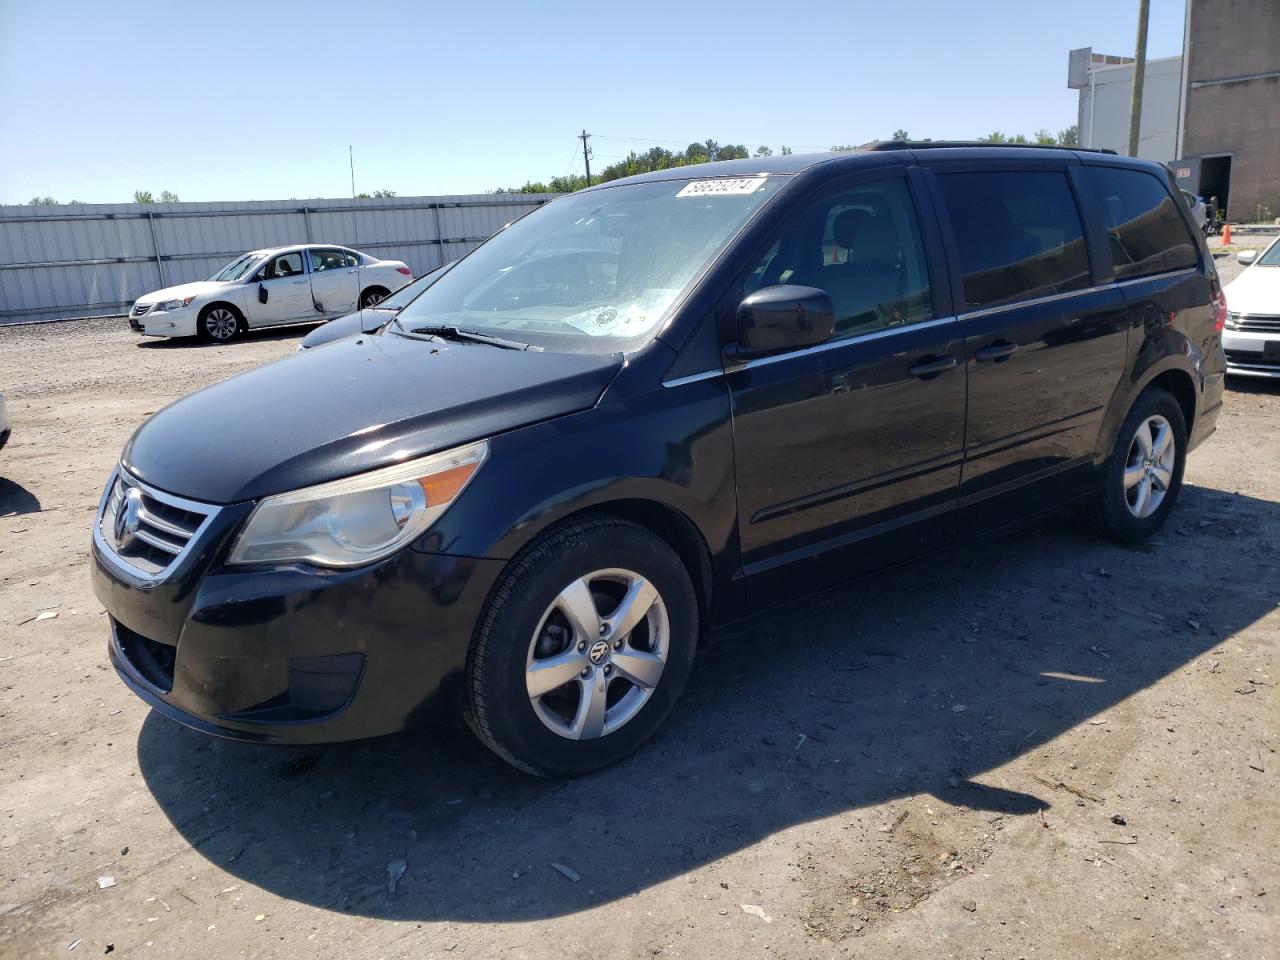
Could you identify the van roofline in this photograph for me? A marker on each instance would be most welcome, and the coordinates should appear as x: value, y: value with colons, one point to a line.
x: 797, y: 163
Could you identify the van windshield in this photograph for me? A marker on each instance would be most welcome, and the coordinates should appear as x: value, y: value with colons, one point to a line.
x: 595, y: 272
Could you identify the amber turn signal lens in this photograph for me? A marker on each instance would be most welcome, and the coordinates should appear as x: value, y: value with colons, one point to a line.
x: 444, y: 486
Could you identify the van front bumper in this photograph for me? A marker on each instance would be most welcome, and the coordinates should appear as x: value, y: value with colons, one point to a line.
x: 297, y: 655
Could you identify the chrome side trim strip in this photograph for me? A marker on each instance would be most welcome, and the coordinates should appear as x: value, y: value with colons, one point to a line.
x: 1034, y: 302
x: 1157, y: 276
x: 1051, y: 298
x: 847, y: 341
x: 693, y: 378
x: 894, y: 331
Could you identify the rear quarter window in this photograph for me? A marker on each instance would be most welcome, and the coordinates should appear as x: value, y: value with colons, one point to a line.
x: 1146, y: 232
x: 1019, y: 235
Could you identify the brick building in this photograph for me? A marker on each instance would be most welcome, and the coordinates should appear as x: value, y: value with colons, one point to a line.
x: 1212, y: 114
x: 1229, y: 144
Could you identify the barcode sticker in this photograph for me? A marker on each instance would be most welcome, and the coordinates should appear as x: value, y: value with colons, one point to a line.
x: 721, y: 188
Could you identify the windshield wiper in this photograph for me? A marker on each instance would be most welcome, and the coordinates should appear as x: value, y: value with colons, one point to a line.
x: 454, y: 333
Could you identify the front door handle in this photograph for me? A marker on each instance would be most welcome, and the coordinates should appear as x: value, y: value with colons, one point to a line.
x: 999, y: 351
x: 930, y: 367
x: 299, y: 282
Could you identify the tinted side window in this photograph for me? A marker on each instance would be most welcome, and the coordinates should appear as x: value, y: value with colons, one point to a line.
x: 1145, y: 230
x: 861, y: 245
x: 1019, y: 233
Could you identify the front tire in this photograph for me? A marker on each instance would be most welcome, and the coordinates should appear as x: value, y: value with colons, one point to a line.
x: 1143, y: 475
x: 583, y: 649
x: 219, y: 323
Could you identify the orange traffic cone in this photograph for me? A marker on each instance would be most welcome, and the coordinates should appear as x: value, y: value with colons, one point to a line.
x: 1226, y: 234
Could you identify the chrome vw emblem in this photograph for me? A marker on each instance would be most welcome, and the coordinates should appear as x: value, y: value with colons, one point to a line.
x: 128, y: 518
x: 599, y: 652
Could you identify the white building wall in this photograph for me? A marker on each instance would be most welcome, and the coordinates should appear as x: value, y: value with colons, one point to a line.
x: 1104, y: 108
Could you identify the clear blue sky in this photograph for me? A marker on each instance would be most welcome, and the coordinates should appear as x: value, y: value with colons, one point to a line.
x: 238, y: 101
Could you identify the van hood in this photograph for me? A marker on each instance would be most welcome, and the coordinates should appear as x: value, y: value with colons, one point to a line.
x: 196, y: 288
x: 1257, y: 290
x: 356, y: 405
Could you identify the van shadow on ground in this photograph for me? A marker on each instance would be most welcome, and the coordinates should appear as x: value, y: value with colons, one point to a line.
x: 870, y: 674
x: 15, y: 499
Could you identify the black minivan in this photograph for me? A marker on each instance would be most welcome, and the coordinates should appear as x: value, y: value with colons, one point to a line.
x: 644, y: 411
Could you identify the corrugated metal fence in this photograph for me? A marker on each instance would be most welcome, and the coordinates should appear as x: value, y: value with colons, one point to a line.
x: 96, y: 259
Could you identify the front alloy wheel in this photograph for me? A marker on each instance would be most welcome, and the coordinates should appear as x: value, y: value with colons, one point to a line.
x: 597, y: 654
x: 583, y: 647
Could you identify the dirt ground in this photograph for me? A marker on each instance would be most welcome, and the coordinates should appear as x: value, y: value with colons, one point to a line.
x: 1046, y: 746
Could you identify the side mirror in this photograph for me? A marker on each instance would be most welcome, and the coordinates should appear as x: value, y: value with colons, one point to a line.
x: 262, y: 293
x: 786, y: 317
x: 1246, y: 257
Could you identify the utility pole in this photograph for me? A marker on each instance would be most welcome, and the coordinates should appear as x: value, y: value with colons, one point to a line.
x: 351, y: 158
x: 586, y: 154
x: 1139, y: 76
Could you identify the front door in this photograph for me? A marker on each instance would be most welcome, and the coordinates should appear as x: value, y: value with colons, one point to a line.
x: 288, y: 292
x: 335, y: 282
x: 848, y: 454
x: 1046, y: 344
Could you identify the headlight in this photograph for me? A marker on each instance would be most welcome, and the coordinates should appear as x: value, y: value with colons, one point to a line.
x: 175, y: 304
x: 361, y: 519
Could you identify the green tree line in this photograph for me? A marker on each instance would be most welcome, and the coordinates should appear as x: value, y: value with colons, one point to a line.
x: 659, y: 158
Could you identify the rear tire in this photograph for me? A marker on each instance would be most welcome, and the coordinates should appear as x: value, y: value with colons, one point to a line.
x: 219, y: 323
x: 583, y: 649
x: 1143, y: 476
x: 373, y: 295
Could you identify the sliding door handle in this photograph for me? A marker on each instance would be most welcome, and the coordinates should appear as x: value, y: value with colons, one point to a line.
x: 999, y: 351
x: 930, y: 367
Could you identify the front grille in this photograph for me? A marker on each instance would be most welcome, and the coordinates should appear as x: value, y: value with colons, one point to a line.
x: 151, y: 660
x: 1257, y: 324
x: 139, y: 309
x: 155, y: 528
x: 1253, y: 361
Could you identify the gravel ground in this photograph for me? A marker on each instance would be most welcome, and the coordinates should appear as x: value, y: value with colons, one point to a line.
x: 1045, y: 746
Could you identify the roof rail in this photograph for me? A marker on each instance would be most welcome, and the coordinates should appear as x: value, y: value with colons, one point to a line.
x: 875, y: 145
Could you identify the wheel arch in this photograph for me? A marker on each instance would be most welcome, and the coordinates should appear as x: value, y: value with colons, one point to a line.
x: 667, y: 523
x: 372, y: 287
x: 230, y: 305
x: 1169, y: 375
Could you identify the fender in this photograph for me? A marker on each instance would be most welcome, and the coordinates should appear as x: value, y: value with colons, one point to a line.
x: 670, y: 447
x: 1161, y: 351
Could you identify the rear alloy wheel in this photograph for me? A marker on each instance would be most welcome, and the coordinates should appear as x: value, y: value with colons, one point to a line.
x: 219, y: 324
x: 1148, y: 472
x: 372, y: 296
x: 1141, y: 479
x: 583, y: 649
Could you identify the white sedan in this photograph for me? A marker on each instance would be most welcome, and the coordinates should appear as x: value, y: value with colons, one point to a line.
x: 1252, y: 334
x: 266, y: 288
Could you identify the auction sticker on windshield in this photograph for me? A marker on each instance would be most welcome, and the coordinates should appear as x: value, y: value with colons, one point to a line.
x: 710, y: 188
